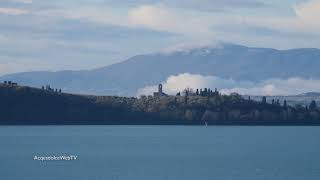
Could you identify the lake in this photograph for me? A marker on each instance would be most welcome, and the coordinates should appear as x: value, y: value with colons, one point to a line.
x: 159, y: 153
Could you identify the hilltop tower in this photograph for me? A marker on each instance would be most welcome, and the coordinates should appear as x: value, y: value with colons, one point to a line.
x: 160, y: 89
x: 160, y: 92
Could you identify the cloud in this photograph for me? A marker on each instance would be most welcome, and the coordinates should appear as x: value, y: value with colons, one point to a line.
x: 308, y: 10
x: 23, y: 1
x: 291, y: 86
x: 13, y: 11
x: 43, y: 27
x: 155, y: 17
x: 16, y: 2
x: 167, y: 17
x: 199, y: 27
x: 203, y: 26
x: 14, y: 7
x: 304, y: 21
x: 215, y: 5
x: 308, y: 13
x: 163, y: 18
x: 199, y: 5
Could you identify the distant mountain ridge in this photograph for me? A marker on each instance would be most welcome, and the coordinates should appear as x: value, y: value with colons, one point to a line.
x: 225, y: 61
x: 312, y: 94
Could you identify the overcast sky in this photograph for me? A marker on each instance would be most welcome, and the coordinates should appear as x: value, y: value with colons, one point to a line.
x: 84, y: 34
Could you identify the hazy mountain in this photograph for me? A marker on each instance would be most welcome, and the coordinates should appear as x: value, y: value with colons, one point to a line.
x: 310, y: 94
x: 226, y: 61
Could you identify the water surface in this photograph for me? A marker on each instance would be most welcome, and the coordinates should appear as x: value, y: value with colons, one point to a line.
x: 160, y: 153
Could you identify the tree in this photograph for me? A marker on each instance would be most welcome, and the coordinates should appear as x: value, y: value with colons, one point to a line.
x: 235, y: 97
x: 186, y: 99
x: 188, y: 92
x: 313, y: 105
x: 143, y: 97
x: 285, y: 103
x: 299, y: 107
x: 205, y: 92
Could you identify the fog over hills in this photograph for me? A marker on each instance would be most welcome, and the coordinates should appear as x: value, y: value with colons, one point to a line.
x: 228, y: 61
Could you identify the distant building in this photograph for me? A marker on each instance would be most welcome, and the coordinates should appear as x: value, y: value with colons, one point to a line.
x: 10, y: 83
x: 207, y: 92
x: 48, y: 88
x: 264, y: 100
x: 160, y: 92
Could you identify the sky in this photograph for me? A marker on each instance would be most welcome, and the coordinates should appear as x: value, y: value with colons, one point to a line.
x: 86, y: 34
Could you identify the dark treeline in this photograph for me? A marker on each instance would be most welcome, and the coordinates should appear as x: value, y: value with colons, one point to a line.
x: 30, y: 106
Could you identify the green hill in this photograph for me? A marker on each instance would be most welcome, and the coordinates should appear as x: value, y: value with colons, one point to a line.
x: 20, y: 105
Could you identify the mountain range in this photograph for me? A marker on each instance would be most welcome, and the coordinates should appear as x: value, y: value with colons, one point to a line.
x: 226, y: 61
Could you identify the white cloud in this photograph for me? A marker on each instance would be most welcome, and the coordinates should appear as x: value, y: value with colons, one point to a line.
x: 308, y: 14
x: 152, y: 16
x: 162, y: 18
x: 309, y: 10
x: 13, y: 11
x: 305, y: 19
x: 198, y: 27
x: 23, y: 1
x: 291, y: 86
x: 199, y: 5
x: 155, y: 17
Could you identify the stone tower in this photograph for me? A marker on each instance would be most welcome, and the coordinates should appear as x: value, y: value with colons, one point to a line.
x: 160, y: 89
x: 160, y: 92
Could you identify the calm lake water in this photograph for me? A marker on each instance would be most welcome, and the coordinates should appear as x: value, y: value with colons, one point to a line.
x: 160, y: 153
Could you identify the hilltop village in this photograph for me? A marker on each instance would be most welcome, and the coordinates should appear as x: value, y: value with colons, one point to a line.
x: 20, y: 105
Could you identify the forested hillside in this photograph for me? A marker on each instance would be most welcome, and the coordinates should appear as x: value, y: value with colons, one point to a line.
x: 30, y: 106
